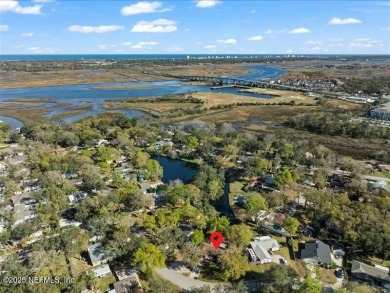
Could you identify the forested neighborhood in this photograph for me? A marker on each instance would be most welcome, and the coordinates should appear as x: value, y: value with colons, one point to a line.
x: 88, y: 201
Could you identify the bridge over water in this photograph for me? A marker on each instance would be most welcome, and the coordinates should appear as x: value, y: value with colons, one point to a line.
x: 236, y: 81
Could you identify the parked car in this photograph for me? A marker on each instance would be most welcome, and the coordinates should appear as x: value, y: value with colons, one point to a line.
x: 339, y: 274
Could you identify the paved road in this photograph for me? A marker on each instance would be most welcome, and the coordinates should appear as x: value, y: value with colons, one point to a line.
x: 182, y: 281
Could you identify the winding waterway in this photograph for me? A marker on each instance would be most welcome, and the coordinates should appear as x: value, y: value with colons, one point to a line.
x: 96, y: 94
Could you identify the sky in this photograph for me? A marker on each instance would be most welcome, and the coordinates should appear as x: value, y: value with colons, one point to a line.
x: 194, y: 27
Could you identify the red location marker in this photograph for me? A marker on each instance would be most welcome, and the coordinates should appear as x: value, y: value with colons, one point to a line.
x: 216, y: 239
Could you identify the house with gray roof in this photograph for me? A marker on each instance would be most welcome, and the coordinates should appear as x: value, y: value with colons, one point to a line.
x: 374, y: 275
x: 260, y: 248
x: 96, y: 254
x: 316, y: 252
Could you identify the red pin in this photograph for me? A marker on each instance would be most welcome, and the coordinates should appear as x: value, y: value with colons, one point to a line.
x: 216, y: 239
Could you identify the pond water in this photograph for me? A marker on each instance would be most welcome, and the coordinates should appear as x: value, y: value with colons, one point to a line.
x: 176, y: 169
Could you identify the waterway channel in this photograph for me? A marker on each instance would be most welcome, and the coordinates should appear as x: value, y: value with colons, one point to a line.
x: 95, y: 95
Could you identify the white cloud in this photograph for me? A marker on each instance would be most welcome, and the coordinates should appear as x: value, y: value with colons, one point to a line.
x: 350, y: 20
x: 13, y: 6
x: 255, y: 38
x: 95, y: 29
x: 362, y: 40
x: 210, y: 47
x: 127, y: 43
x: 227, y: 42
x: 144, y: 7
x: 317, y: 43
x: 156, y: 26
x: 271, y: 31
x: 105, y: 47
x: 40, y: 50
x: 207, y: 3
x: 27, y: 34
x: 175, y: 49
x: 289, y: 51
x: 4, y: 27
x: 43, y: 1
x: 300, y: 30
x: 144, y: 45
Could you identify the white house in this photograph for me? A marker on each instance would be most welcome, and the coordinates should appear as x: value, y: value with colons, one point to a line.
x: 260, y: 248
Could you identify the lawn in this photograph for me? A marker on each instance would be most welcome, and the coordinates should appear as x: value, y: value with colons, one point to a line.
x: 78, y: 266
x: 104, y: 283
x: 381, y: 174
x: 327, y: 276
x: 297, y: 266
x: 4, y: 146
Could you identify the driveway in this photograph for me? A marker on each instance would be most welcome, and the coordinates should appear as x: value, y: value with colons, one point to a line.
x: 183, y: 281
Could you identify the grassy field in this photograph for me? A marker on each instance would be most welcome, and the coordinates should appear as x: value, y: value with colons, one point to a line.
x: 18, y: 79
x: 327, y: 276
x: 67, y: 114
x: 105, y: 282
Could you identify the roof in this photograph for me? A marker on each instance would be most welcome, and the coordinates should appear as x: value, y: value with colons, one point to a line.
x: 266, y: 243
x: 279, y: 219
x: 101, y: 271
x: 205, y: 249
x: 127, y: 285
x: 318, y: 250
x: 260, y: 252
x: 359, y: 267
x: 96, y: 253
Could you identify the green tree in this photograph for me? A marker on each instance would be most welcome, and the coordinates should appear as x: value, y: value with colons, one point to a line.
x: 233, y: 264
x: 280, y: 279
x: 148, y: 257
x: 311, y: 285
x: 254, y: 203
x: 197, y: 237
x: 219, y: 224
x: 239, y: 235
x: 150, y: 223
x: 256, y: 167
x: 191, y: 142
x: 291, y: 225
x: 154, y: 171
x: 139, y: 159
x: 284, y: 178
x: 319, y: 179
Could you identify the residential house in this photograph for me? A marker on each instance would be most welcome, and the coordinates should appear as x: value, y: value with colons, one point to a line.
x: 127, y: 285
x: 163, y: 143
x: 77, y: 197
x: 273, y: 221
x: 260, y: 248
x: 23, y: 207
x: 373, y: 274
x: 316, y: 252
x: 208, y: 251
x: 384, y: 168
x: 102, y: 271
x: 96, y: 254
x: 379, y: 185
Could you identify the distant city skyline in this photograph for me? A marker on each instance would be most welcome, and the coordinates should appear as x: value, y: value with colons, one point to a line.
x: 194, y: 27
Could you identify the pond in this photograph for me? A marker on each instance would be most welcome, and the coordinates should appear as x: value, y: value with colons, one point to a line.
x: 176, y: 169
